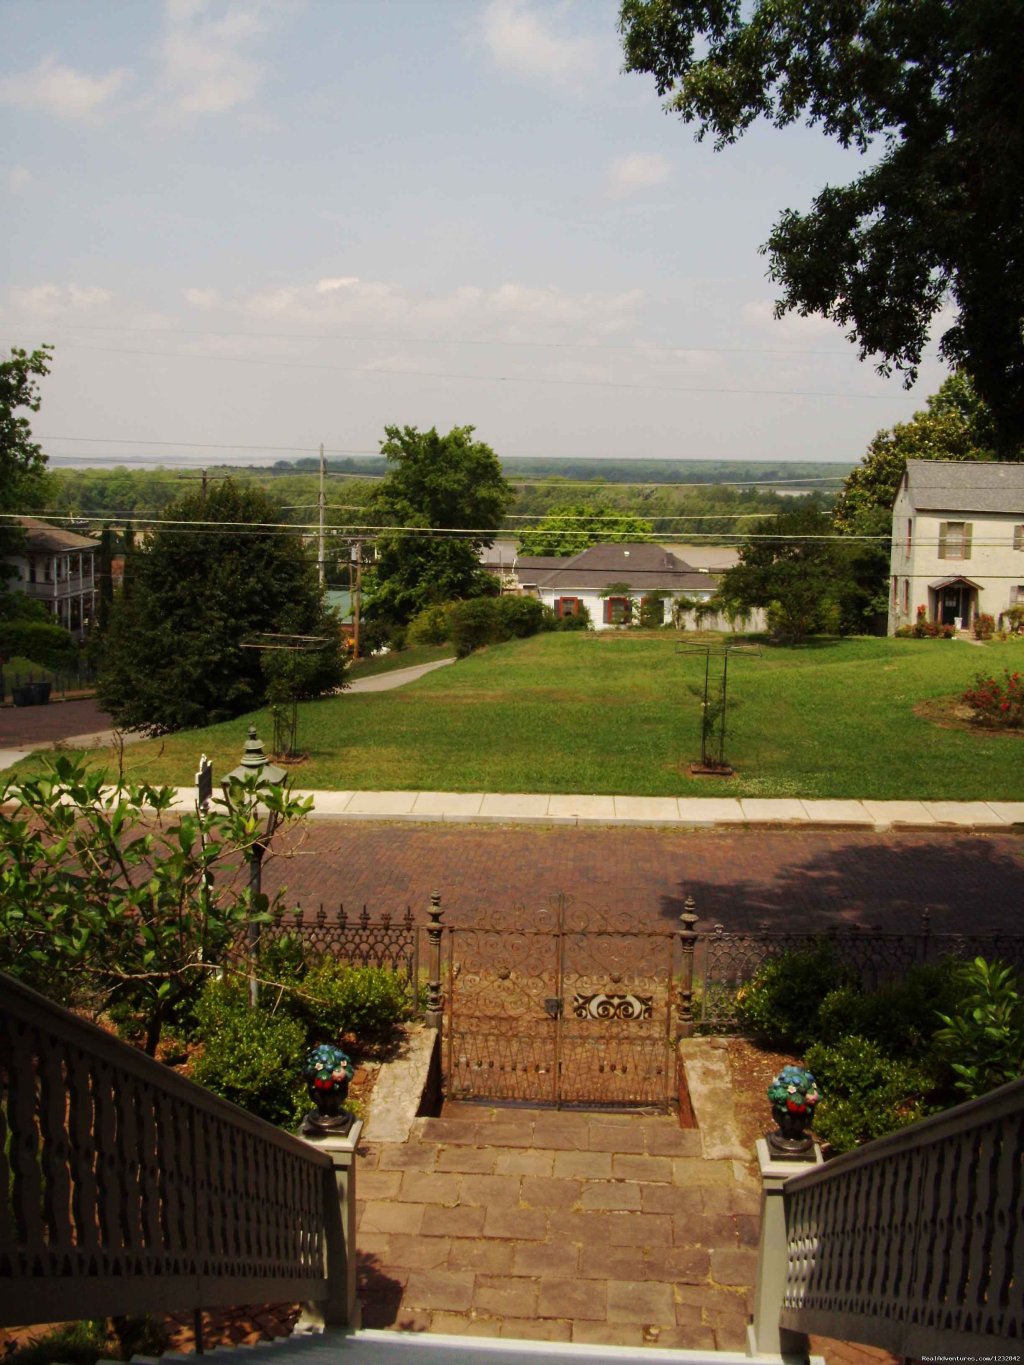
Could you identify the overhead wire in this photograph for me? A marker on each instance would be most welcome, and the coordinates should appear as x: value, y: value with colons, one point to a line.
x: 368, y: 372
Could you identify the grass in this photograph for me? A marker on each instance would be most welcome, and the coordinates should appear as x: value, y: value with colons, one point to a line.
x: 619, y: 713
x: 405, y: 658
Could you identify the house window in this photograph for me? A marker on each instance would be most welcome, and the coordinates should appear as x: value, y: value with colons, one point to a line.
x: 1017, y: 595
x: 1018, y: 537
x: 955, y: 539
x: 895, y: 591
x: 617, y: 610
x: 906, y: 596
x: 910, y: 530
x: 567, y: 606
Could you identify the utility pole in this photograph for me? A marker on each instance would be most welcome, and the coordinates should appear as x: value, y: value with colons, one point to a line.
x: 356, y: 602
x: 321, y: 504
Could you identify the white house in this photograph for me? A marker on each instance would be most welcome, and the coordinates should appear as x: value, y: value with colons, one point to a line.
x: 590, y: 578
x: 58, y: 568
x: 957, y: 542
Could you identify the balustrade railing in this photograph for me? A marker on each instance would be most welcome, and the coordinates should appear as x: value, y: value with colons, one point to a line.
x: 125, y: 1188
x: 915, y: 1243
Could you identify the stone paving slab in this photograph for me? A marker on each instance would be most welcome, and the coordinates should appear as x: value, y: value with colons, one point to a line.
x: 481, y: 1227
x: 758, y: 809
x: 1012, y: 812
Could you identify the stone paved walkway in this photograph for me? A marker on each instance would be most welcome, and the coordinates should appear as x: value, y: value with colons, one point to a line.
x: 557, y: 1226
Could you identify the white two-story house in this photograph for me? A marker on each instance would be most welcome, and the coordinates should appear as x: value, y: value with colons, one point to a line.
x: 58, y: 568
x: 957, y: 542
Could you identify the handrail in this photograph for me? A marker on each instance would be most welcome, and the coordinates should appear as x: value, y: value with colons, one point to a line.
x: 125, y: 1188
x: 915, y: 1242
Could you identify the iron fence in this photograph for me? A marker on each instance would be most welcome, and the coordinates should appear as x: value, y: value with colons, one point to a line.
x: 388, y: 941
x: 725, y: 961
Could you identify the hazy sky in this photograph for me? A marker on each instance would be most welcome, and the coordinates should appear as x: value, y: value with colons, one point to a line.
x: 272, y: 223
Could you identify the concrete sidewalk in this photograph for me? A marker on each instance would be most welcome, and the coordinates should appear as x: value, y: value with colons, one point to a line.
x: 682, y: 812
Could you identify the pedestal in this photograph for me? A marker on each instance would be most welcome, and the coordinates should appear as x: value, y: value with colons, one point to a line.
x: 764, y: 1335
x: 340, y: 1308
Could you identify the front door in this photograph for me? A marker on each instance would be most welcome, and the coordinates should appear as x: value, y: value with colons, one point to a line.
x: 950, y: 607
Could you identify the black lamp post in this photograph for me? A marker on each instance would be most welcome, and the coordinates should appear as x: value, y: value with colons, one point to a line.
x: 254, y: 764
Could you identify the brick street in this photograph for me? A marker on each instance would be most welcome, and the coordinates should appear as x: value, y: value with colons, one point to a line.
x: 799, y: 879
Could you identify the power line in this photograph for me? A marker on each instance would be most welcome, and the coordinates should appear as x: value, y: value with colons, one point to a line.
x: 639, y: 346
x: 490, y: 378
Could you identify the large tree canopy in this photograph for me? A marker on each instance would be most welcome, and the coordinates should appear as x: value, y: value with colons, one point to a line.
x: 22, y: 462
x: 441, y: 484
x: 174, y: 655
x: 937, y: 218
x: 568, y: 530
x: 791, y: 566
x: 955, y: 425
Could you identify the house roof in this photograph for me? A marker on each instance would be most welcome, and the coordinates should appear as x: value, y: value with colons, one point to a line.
x: 646, y: 568
x: 966, y: 486
x: 717, y: 558
x: 42, y: 538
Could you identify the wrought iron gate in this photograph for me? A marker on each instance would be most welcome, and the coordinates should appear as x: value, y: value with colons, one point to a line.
x: 563, y: 1006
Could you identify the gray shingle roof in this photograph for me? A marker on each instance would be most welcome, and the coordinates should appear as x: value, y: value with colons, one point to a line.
x: 646, y: 568
x: 42, y: 538
x: 966, y: 486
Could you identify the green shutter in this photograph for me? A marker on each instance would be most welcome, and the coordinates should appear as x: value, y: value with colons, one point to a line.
x: 968, y: 528
x: 943, y: 529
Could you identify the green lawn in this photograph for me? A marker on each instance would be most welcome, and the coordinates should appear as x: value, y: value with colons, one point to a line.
x: 403, y: 658
x: 614, y: 713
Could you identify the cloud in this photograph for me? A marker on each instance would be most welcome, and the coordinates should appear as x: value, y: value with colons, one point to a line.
x: 208, y: 54
x: 202, y: 298
x: 50, y: 301
x: 53, y: 88
x: 508, y: 311
x: 637, y: 171
x: 19, y: 178
x: 524, y: 42
x: 791, y: 326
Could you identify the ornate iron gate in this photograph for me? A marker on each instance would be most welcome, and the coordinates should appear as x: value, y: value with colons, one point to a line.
x: 563, y: 1006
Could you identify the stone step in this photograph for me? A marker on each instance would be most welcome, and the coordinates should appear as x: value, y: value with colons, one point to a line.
x: 398, y: 1348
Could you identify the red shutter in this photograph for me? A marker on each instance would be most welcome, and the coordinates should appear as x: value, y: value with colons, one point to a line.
x: 608, y: 611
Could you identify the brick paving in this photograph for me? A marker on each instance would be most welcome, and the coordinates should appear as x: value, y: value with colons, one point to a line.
x: 559, y: 1227
x: 795, y: 878
x: 28, y: 725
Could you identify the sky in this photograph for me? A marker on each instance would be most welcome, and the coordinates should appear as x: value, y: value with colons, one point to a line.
x: 252, y: 226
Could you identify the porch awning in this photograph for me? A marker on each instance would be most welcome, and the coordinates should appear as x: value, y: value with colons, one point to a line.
x: 949, y: 582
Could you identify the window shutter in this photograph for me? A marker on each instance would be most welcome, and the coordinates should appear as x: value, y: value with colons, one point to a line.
x: 1018, y: 537
x: 968, y: 528
x: 608, y: 611
x: 943, y: 531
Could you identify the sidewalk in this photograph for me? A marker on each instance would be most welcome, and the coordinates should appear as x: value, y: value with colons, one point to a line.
x: 668, y: 812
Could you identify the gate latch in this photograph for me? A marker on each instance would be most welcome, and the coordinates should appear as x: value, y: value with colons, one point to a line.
x: 553, y: 1006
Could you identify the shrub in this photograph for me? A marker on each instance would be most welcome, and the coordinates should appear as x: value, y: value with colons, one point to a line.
x: 780, y: 1004
x: 429, y: 626
x: 864, y: 1093
x: 48, y: 644
x: 473, y: 623
x: 997, y: 702
x: 581, y: 620
x: 251, y: 1057
x: 518, y: 617
x: 984, y: 626
x: 1013, y: 619
x: 983, y: 1039
x: 901, y: 1016
x: 337, y: 999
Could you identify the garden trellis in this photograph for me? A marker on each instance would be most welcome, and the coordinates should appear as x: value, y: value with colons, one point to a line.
x: 713, y: 706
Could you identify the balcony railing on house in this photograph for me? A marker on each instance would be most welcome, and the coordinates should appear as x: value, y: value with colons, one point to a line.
x: 125, y: 1188
x: 915, y: 1243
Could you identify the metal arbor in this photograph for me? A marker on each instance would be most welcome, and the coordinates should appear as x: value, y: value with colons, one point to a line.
x: 713, y: 707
